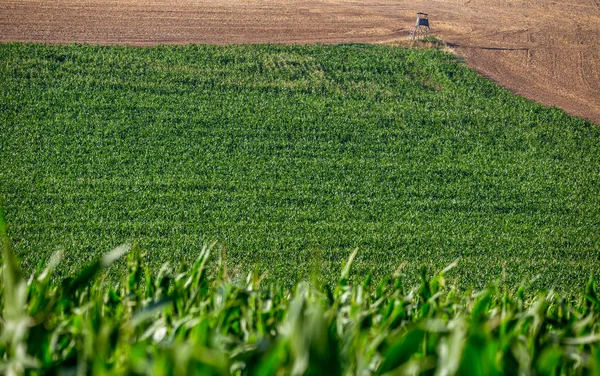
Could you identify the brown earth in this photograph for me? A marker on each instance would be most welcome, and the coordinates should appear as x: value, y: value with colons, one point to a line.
x: 548, y: 51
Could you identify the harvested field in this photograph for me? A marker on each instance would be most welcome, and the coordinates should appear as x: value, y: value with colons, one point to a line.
x: 548, y: 51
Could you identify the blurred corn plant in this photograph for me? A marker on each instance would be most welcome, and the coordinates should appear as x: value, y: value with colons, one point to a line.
x: 197, y: 321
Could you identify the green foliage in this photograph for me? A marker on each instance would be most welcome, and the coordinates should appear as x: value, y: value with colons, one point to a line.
x: 197, y: 322
x: 292, y: 156
x: 433, y: 40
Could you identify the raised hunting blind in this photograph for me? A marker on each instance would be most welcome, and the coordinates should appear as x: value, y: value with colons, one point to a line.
x: 421, y: 29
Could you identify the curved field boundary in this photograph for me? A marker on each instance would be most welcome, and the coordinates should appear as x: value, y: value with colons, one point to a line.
x: 564, y: 26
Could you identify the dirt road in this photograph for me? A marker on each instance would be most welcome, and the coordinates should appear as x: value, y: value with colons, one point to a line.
x: 548, y: 51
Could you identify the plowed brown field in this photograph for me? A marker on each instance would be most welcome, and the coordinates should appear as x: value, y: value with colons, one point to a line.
x: 548, y: 51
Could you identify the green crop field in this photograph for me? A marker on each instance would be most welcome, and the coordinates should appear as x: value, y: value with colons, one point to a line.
x: 291, y: 157
x: 200, y: 323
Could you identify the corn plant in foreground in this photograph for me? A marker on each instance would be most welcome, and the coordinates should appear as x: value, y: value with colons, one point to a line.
x: 198, y: 321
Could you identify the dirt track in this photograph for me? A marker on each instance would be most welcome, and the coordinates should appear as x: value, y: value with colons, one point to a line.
x: 546, y: 50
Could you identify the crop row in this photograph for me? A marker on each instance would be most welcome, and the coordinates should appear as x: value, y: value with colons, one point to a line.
x: 196, y: 319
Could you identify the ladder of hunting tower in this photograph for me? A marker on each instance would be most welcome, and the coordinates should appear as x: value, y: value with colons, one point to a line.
x: 421, y: 26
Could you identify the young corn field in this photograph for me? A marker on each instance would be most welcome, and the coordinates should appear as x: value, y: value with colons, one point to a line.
x: 195, y: 320
x: 292, y: 156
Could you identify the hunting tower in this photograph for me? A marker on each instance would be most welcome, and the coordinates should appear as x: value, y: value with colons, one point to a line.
x: 421, y: 27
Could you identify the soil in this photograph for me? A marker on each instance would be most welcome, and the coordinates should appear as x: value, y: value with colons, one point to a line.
x: 545, y: 50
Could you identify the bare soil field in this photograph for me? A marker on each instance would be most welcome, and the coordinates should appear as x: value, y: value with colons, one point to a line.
x: 548, y: 51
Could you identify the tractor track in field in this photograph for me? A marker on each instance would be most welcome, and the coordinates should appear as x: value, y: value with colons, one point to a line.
x: 583, y: 75
x: 561, y: 39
